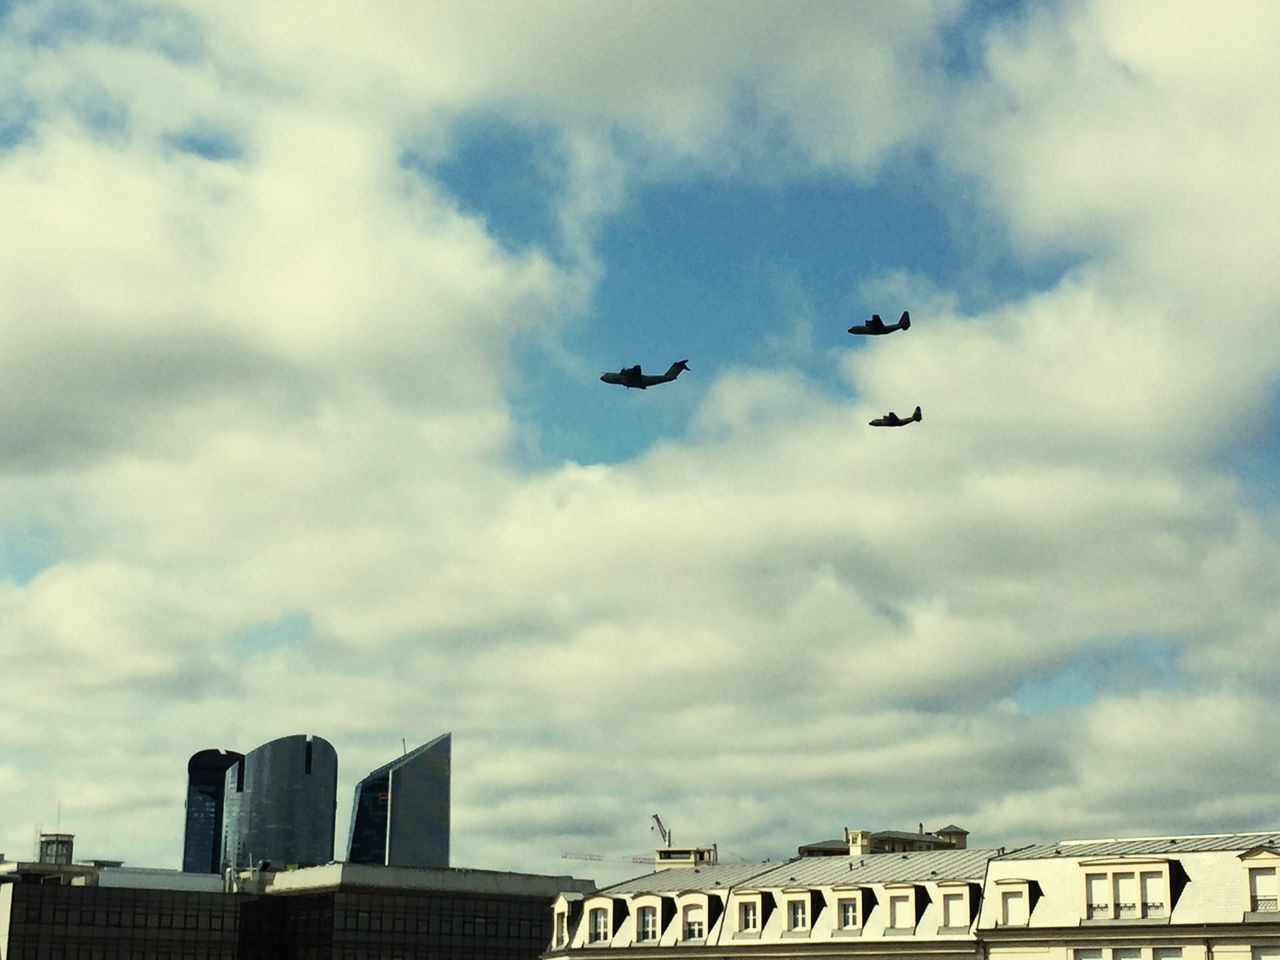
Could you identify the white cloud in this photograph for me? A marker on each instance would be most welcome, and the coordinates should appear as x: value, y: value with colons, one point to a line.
x: 273, y: 385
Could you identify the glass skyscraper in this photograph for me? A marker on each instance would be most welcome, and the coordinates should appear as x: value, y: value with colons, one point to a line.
x: 280, y: 803
x: 206, y: 784
x: 400, y: 815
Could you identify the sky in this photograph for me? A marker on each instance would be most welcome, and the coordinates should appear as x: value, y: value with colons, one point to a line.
x: 301, y: 430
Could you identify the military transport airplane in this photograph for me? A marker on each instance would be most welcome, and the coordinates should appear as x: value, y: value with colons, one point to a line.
x: 891, y: 419
x: 633, y: 377
x: 876, y: 326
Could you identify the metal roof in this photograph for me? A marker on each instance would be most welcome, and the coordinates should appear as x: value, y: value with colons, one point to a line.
x: 921, y: 866
x: 678, y: 879
x: 1144, y: 846
x: 918, y: 866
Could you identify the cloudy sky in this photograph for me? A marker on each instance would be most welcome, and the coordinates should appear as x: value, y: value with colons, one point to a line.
x: 301, y: 320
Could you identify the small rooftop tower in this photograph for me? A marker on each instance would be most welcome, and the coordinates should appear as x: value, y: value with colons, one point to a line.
x: 668, y: 857
x: 956, y: 836
x: 55, y: 848
x: 859, y: 841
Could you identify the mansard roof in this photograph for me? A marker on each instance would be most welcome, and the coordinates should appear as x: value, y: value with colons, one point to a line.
x: 922, y: 866
x: 1166, y: 845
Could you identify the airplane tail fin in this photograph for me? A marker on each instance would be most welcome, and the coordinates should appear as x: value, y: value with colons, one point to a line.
x: 677, y: 368
x: 905, y: 320
x: 917, y: 417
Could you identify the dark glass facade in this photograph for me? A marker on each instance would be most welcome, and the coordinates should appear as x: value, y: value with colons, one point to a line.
x: 406, y: 926
x: 53, y: 921
x: 279, y: 804
x: 206, y: 787
x: 400, y: 814
x: 95, y: 923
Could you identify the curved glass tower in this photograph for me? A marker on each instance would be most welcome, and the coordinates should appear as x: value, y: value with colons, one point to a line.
x: 280, y: 803
x: 400, y: 816
x: 202, y: 838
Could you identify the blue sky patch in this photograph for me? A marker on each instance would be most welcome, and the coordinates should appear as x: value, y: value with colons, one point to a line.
x: 27, y: 549
x: 506, y: 174
x: 291, y: 630
x: 720, y: 272
x: 209, y: 144
x: 1128, y: 665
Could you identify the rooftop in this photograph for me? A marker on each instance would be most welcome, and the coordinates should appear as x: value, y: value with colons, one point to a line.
x: 1144, y: 846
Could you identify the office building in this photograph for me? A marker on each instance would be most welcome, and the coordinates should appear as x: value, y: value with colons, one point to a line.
x: 206, y: 789
x: 335, y: 911
x: 400, y: 814
x: 280, y: 803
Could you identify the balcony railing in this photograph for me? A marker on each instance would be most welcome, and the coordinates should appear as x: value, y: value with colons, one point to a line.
x: 1126, y: 910
x: 1099, y: 911
x: 1264, y: 904
x: 1153, y: 909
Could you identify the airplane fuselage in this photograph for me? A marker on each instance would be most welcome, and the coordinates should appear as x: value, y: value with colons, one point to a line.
x: 878, y: 327
x: 891, y: 419
x: 634, y: 378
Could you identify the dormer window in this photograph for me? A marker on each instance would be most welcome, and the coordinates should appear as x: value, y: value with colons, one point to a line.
x: 957, y: 909
x: 748, y: 916
x: 797, y: 914
x: 1262, y: 874
x: 848, y: 912
x: 902, y: 906
x: 598, y: 925
x: 851, y: 911
x: 647, y: 924
x: 1014, y: 903
x: 1262, y: 890
x: 694, y: 922
x: 1126, y: 890
x: 562, y: 928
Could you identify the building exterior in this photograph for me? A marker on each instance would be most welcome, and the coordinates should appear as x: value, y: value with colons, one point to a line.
x: 1161, y: 898
x: 1154, y: 898
x: 114, y: 913
x: 857, y: 843
x: 905, y: 905
x: 279, y: 804
x: 206, y: 791
x: 337, y: 911
x: 400, y: 814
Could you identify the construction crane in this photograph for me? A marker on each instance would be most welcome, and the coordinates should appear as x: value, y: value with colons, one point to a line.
x: 601, y: 857
x: 663, y: 831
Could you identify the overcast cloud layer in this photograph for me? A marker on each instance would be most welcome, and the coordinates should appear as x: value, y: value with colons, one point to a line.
x: 265, y: 469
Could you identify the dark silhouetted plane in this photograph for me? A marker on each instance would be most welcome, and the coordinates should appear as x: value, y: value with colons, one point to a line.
x: 633, y: 377
x: 891, y: 419
x: 875, y: 326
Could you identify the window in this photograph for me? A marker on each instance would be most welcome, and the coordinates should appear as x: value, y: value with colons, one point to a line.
x: 797, y: 915
x: 1125, y: 886
x: 1124, y: 893
x: 560, y: 929
x: 901, y: 916
x: 599, y: 925
x: 1151, y: 883
x: 1166, y: 953
x: 954, y: 912
x: 647, y: 921
x: 1013, y: 908
x: 1262, y: 890
x: 1098, y: 901
x: 695, y: 927
x: 748, y: 915
x: 847, y: 908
